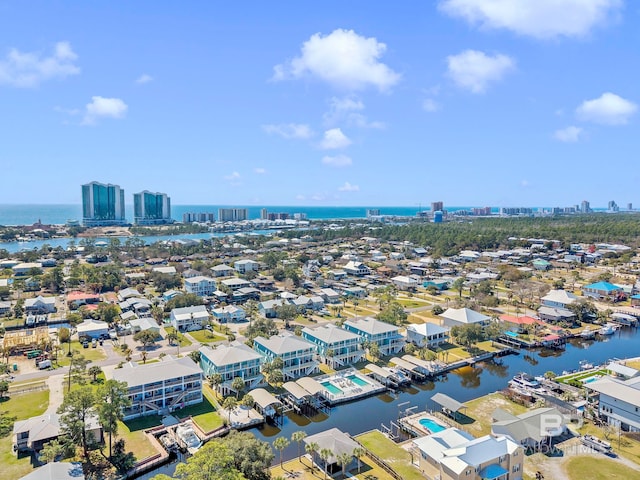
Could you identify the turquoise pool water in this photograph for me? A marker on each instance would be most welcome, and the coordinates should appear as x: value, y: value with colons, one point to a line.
x: 510, y: 333
x: 591, y: 379
x: 331, y: 388
x: 358, y: 381
x: 430, y: 425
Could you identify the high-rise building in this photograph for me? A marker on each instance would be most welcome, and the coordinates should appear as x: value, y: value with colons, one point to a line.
x: 612, y: 206
x: 585, y: 207
x: 232, y: 214
x: 201, y: 217
x: 102, y: 205
x: 437, y: 206
x: 373, y: 212
x: 151, y: 208
x: 629, y: 206
x: 264, y: 214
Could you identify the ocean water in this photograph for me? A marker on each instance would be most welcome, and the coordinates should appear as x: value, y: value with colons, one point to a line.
x: 60, y: 214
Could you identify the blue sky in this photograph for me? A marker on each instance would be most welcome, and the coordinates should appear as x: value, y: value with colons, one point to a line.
x: 472, y: 102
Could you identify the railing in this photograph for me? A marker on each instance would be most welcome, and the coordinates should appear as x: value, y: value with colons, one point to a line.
x: 381, y: 463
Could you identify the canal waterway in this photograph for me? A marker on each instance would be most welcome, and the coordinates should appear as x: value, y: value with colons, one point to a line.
x: 463, y: 384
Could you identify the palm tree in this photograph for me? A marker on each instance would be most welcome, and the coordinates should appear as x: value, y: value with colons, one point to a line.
x: 229, y: 404
x: 248, y: 402
x: 94, y: 371
x: 358, y: 452
x: 144, y: 356
x: 298, y: 437
x: 215, y: 379
x: 280, y: 444
x: 238, y: 385
x: 172, y: 336
x: 325, y: 455
x: 311, y: 448
x: 128, y: 353
x: 344, y: 459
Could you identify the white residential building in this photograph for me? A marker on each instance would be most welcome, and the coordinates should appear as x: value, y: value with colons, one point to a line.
x: 385, y: 335
x: 463, y: 316
x: 223, y: 270
x: 358, y: 269
x: 189, y: 318
x: 427, y: 334
x: 40, y: 305
x: 244, y: 266
x: 231, y: 361
x: 558, y: 299
x: 404, y: 282
x: 229, y: 313
x: 335, y: 346
x: 297, y: 354
x: 619, y: 403
x: 200, y: 285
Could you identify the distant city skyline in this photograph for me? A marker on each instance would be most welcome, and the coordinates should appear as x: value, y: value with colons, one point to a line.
x: 323, y: 104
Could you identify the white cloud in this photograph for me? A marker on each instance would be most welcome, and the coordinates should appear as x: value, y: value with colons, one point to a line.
x: 535, y: 18
x: 102, y: 107
x: 20, y: 69
x: 234, y: 176
x: 346, y: 110
x: 144, y: 78
x: 289, y: 130
x: 259, y: 171
x: 347, y: 187
x: 571, y: 134
x: 608, y: 109
x: 475, y: 70
x: 430, y: 105
x: 343, y: 59
x: 337, y: 160
x: 334, y: 139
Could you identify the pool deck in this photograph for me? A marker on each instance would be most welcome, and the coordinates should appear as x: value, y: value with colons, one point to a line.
x: 411, y: 423
x: 349, y: 390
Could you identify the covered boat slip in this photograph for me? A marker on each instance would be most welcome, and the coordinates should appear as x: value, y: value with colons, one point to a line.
x: 425, y: 367
x: 266, y: 403
x: 409, y: 368
x: 301, y: 400
x: 387, y: 378
x: 450, y: 406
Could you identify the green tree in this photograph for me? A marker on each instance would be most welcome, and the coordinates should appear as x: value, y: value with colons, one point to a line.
x: 358, y: 452
x: 146, y: 338
x: 312, y: 448
x: 437, y: 310
x: 172, y: 336
x: 52, y: 450
x: 4, y: 388
x: 325, y: 455
x: 108, y: 312
x: 374, y: 352
x: 229, y: 404
x: 75, y: 411
x: 286, y: 313
x: 113, y: 400
x: 94, y: 371
x: 248, y: 401
x: 344, y: 459
x: 298, y: 437
x: 458, y: 285
x: 467, y: 335
x: 252, y: 457
x: 280, y: 444
x: 238, y: 385
x: 393, y: 313
x: 77, y: 368
x: 214, y: 461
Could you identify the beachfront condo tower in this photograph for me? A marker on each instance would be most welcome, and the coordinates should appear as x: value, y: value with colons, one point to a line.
x: 102, y: 205
x: 151, y: 208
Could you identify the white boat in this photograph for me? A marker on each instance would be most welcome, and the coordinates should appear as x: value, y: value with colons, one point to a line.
x: 596, y: 443
x: 608, y: 329
x: 586, y: 365
x: 189, y: 438
x: 526, y: 383
x: 169, y: 442
x: 588, y: 333
x: 398, y: 376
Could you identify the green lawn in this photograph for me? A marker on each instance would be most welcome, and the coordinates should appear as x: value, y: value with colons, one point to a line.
x: 205, y: 336
x: 182, y: 340
x: 598, y: 468
x: 479, y: 411
x: 21, y: 406
x: 397, y: 458
x: 133, y: 434
x: 91, y: 354
x: 204, y: 414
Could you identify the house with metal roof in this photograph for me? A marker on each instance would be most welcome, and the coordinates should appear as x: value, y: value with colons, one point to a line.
x: 161, y: 387
x: 191, y: 318
x: 600, y: 290
x: 453, y: 317
x: 231, y: 361
x: 427, y: 334
x: 454, y: 454
x: 558, y: 299
x: 533, y: 428
x: 57, y: 471
x: 229, y: 313
x: 40, y: 305
x: 619, y: 402
x: 336, y: 346
x: 33, y: 433
x: 385, y: 335
x: 200, y: 285
x: 337, y: 442
x: 297, y: 354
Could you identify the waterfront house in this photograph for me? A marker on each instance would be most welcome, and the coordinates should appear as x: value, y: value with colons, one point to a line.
x: 558, y: 299
x: 619, y: 402
x: 519, y: 324
x: 532, y: 429
x: 335, y: 346
x: 200, y: 285
x: 223, y: 270
x: 187, y: 319
x: 454, y: 454
x: 357, y: 269
x: 555, y: 315
x: 161, y: 387
x: 40, y: 305
x: 296, y: 353
x: 229, y: 313
x: 453, y: 317
x: 231, y: 361
x: 385, y: 335
x: 427, y: 334
x: 244, y: 266
x: 336, y: 442
x: 32, y: 434
x: 603, y: 290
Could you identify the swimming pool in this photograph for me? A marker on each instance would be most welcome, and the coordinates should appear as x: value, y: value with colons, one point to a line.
x: 431, y: 425
x: 511, y: 334
x: 591, y: 379
x: 331, y: 388
x: 358, y: 381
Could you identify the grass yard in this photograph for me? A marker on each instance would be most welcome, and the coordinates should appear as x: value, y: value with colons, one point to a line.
x: 412, y: 303
x: 633, y: 364
x: 133, y: 434
x: 629, y: 446
x: 182, y: 340
x: 581, y: 375
x: 397, y: 458
x: 13, y: 468
x: 368, y: 469
x: 205, y: 336
x: 91, y: 354
x: 204, y: 414
x: 598, y: 468
x: 481, y: 409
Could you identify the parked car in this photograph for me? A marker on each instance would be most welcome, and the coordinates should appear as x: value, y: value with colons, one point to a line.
x: 85, y: 344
